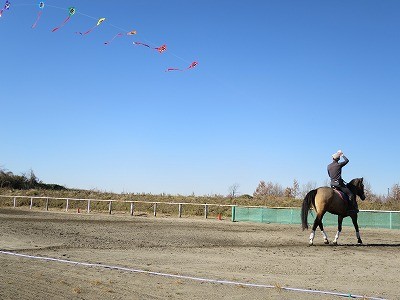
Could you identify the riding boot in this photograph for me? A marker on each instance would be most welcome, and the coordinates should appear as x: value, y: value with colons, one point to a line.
x: 353, y: 204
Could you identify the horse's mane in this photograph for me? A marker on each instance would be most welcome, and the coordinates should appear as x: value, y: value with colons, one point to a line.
x: 355, y: 182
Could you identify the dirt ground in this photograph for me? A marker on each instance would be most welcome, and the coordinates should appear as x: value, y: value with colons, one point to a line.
x: 266, y: 254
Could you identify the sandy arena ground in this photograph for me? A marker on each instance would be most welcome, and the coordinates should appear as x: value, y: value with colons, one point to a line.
x: 266, y: 254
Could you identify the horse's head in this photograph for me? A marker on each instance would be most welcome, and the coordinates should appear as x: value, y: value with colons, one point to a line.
x: 357, y: 187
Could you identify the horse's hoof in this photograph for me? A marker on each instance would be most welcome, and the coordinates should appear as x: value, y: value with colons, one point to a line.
x: 334, y: 243
x: 326, y: 242
x: 359, y: 242
x: 310, y: 243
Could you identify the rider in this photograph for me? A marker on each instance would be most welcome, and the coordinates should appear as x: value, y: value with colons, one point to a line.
x: 335, y: 173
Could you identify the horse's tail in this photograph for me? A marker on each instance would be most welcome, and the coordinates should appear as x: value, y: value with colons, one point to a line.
x: 309, y: 200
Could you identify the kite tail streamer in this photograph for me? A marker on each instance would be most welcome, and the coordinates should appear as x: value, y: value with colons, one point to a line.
x: 62, y: 24
x: 192, y: 65
x: 173, y: 69
x: 160, y: 49
x: 110, y: 41
x: 37, y: 19
x: 89, y: 31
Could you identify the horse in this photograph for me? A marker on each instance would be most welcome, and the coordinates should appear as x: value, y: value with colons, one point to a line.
x: 326, y: 199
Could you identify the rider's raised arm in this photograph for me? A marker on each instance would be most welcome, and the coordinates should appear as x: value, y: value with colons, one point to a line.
x: 345, y: 161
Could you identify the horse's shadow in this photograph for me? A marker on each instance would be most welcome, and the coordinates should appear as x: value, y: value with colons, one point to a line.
x: 367, y: 245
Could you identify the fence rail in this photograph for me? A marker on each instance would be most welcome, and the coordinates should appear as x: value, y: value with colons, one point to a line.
x: 110, y: 203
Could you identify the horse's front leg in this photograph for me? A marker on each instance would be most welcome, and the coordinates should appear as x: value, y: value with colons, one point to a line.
x: 355, y: 223
x: 340, y: 221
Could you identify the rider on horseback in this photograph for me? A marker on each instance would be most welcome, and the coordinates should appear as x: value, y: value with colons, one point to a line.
x: 335, y: 173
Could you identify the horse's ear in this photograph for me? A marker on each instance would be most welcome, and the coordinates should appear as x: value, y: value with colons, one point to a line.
x: 362, y: 178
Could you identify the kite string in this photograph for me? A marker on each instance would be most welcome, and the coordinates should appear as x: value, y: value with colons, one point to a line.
x: 110, y: 24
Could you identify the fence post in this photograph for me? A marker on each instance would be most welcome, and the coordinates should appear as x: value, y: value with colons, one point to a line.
x: 15, y: 202
x: 233, y: 213
x: 66, y: 206
x: 155, y: 209
x: 291, y: 216
x: 30, y: 205
x: 180, y: 210
x: 47, y: 204
x: 205, y: 211
x: 132, y: 208
x: 88, y: 206
x: 109, y: 207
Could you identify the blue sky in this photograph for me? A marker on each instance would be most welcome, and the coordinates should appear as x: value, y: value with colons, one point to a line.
x: 280, y: 86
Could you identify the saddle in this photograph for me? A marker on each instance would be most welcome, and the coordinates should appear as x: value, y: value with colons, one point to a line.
x: 342, y: 195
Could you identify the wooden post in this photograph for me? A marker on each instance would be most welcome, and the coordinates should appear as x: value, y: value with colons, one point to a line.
x: 109, y: 207
x: 47, y: 204
x: 205, y: 211
x: 15, y: 202
x: 88, y: 206
x: 66, y: 206
x: 30, y: 206
x: 390, y: 220
x: 180, y: 210
x: 132, y: 208
x: 155, y: 209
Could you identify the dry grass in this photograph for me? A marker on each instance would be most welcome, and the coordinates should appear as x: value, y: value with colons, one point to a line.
x: 147, y: 206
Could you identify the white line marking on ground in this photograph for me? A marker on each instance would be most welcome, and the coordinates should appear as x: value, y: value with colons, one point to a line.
x: 227, y: 282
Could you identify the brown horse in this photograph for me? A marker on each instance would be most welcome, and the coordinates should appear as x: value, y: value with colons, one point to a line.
x: 326, y: 199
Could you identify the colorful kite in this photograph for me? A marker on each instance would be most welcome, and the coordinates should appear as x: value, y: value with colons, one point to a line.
x: 41, y: 6
x: 101, y: 20
x: 71, y: 12
x: 192, y: 65
x: 6, y: 7
x: 160, y: 49
x: 133, y: 32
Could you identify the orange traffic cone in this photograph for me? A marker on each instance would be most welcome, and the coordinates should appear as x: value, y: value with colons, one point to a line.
x: 219, y: 217
x: 79, y: 210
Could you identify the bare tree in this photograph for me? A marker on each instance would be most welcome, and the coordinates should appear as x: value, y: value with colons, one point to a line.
x: 268, y: 189
x: 288, y: 193
x: 295, y: 189
x: 311, y: 185
x: 395, y: 192
x: 234, y: 190
x: 261, y: 189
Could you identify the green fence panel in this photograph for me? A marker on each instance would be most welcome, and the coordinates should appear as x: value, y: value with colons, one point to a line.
x: 372, y: 219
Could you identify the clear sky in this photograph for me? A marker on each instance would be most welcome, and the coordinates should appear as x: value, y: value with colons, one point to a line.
x: 280, y: 86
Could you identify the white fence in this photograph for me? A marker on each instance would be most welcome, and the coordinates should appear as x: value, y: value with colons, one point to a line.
x: 132, y: 203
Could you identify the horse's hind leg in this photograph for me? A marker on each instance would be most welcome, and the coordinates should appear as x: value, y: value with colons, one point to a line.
x: 321, y: 226
x: 317, y: 222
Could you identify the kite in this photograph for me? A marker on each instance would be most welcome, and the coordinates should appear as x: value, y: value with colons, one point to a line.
x: 6, y: 7
x: 160, y: 49
x: 192, y: 65
x: 133, y: 32
x: 101, y: 20
x: 71, y: 12
x: 41, y: 6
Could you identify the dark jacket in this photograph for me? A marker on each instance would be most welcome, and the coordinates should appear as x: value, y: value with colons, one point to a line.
x: 335, y: 171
